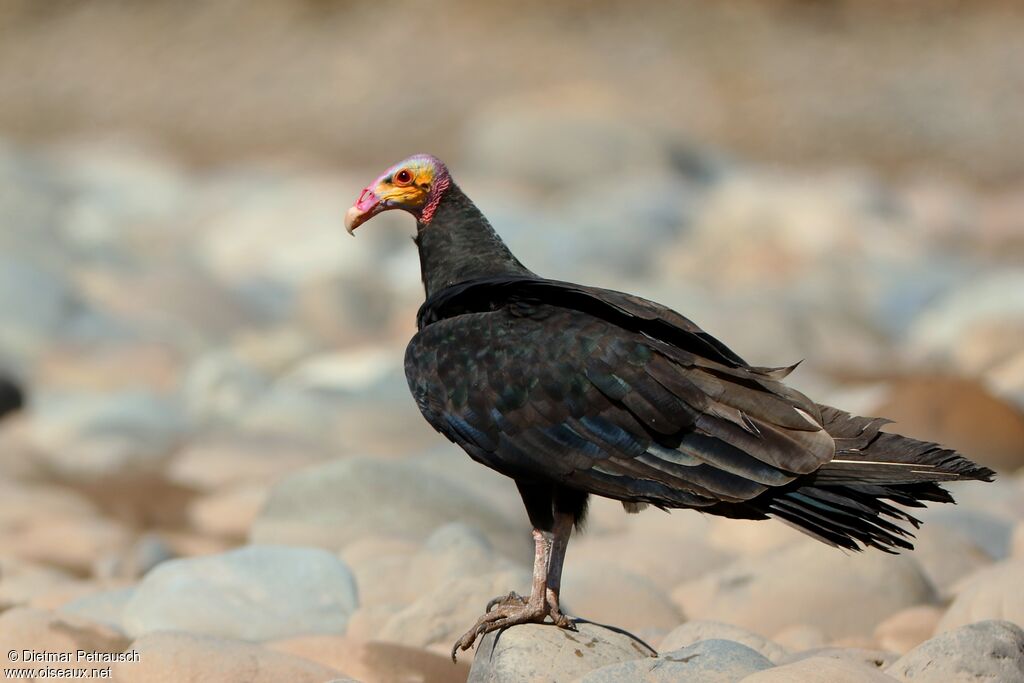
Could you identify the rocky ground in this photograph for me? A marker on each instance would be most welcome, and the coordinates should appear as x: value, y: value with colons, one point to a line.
x: 219, y: 467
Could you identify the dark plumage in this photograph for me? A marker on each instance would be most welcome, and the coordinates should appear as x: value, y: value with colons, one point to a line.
x: 573, y: 390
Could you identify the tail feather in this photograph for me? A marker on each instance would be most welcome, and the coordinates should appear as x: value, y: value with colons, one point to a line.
x: 851, y: 502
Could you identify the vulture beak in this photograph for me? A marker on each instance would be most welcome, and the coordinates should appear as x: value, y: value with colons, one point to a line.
x: 366, y: 207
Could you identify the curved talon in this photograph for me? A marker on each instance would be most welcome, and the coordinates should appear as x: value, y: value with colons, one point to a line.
x: 501, y: 614
x: 512, y: 597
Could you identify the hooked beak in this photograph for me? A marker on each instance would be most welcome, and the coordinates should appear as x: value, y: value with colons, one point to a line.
x: 366, y: 207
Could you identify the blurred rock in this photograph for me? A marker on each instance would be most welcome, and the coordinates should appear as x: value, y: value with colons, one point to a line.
x: 993, y: 301
x: 146, y: 552
x: 21, y: 581
x: 908, y: 628
x: 807, y: 583
x: 799, y: 638
x: 959, y: 414
x: 219, y: 386
x: 375, y: 662
x: 441, y: 615
x: 695, y: 631
x: 104, y: 607
x: 36, y: 306
x: 192, y: 658
x: 381, y: 567
x: 708, y: 661
x: 253, y: 593
x: 70, y: 542
x: 228, y: 513
x: 219, y: 461
x: 947, y: 553
x: 983, y: 651
x: 25, y: 628
x: 877, y: 659
x: 336, y: 503
x: 1017, y: 541
x: 546, y: 654
x: 368, y: 621
x: 603, y: 592
x: 89, y: 436
x: 990, y: 593
x: 751, y: 538
x: 820, y: 670
x: 664, y: 561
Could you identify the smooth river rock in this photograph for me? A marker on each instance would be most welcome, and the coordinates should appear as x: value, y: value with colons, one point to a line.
x: 984, y: 652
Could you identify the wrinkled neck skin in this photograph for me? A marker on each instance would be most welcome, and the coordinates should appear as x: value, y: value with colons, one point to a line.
x: 458, y: 244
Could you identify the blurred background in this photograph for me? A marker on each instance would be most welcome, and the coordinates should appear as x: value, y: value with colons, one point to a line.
x: 189, y: 325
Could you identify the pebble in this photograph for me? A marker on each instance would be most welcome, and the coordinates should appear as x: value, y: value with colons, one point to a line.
x: 175, y: 657
x: 375, y: 662
x: 333, y: 504
x: 695, y: 631
x: 907, y: 628
x: 253, y: 593
x: 992, y: 593
x: 820, y: 670
x: 807, y: 583
x: 545, y: 654
x: 707, y: 661
x: 989, y: 651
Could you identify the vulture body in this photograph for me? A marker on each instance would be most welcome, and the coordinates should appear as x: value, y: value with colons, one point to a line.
x: 573, y: 390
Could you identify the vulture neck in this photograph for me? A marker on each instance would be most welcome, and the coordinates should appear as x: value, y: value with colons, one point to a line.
x: 458, y: 244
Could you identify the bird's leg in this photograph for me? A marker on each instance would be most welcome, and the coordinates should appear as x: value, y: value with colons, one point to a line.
x: 512, y: 609
x: 560, y: 534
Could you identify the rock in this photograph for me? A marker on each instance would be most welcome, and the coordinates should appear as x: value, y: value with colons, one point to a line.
x: 663, y: 560
x: 820, y: 670
x: 148, y: 551
x: 991, y: 593
x: 993, y: 299
x: 211, y: 463
x: 21, y: 581
x: 960, y: 414
x: 799, y: 638
x: 878, y: 659
x: 750, y: 538
x: 947, y: 554
x: 381, y: 567
x: 36, y: 305
x: 1017, y: 541
x: 441, y: 616
x: 907, y: 628
x: 983, y: 651
x: 542, y: 654
x: 374, y: 662
x: 219, y: 386
x: 707, y: 661
x: 26, y: 628
x: 367, y: 621
x: 333, y: 504
x: 174, y: 657
x: 695, y: 631
x: 228, y: 513
x: 807, y: 583
x: 607, y: 594
x: 90, y: 436
x: 253, y: 593
x: 73, y: 543
x: 104, y: 607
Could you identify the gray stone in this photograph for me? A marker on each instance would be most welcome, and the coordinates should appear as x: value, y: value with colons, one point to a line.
x: 105, y: 607
x: 820, y: 670
x: 990, y: 593
x: 98, y: 435
x: 190, y: 657
x: 983, y: 652
x: 880, y: 659
x: 253, y: 593
x: 695, y: 631
x: 440, y: 616
x: 808, y: 583
x: 333, y: 504
x: 547, y: 654
x: 707, y: 661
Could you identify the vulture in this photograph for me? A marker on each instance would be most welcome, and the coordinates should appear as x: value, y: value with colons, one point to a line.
x: 573, y: 390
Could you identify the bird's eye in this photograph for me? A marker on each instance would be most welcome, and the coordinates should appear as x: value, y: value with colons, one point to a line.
x: 403, y: 177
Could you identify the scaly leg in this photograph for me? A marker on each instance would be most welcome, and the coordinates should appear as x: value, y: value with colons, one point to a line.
x: 513, y: 609
x: 560, y: 533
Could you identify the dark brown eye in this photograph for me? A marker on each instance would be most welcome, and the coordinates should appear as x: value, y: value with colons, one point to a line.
x: 403, y: 177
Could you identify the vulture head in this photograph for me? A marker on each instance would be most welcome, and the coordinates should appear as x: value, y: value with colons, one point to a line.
x: 414, y: 185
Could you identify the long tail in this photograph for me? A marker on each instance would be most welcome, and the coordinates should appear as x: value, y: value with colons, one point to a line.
x: 851, y: 501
